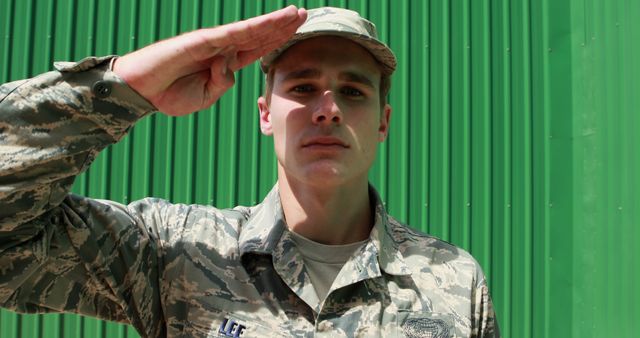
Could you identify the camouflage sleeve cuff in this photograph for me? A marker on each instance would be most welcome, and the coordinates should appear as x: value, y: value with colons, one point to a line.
x: 108, y: 85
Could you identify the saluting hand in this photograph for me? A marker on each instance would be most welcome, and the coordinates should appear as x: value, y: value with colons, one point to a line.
x: 191, y: 71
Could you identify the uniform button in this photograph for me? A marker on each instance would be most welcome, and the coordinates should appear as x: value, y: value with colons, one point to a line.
x: 102, y: 89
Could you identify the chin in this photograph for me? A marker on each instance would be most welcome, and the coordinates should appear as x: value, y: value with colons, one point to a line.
x: 325, y: 173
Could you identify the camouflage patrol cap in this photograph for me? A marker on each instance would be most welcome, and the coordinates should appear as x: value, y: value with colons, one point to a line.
x: 339, y: 22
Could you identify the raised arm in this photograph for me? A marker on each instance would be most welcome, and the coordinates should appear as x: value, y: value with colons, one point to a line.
x: 60, y: 252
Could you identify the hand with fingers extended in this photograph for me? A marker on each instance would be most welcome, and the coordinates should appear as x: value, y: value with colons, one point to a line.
x: 191, y: 71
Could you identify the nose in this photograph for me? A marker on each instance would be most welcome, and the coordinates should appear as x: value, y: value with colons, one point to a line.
x: 327, y: 110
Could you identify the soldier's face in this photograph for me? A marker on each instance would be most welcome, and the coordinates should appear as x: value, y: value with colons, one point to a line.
x: 325, y: 113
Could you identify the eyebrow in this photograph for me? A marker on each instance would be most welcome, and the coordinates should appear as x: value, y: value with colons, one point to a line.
x: 314, y: 73
x: 357, y: 78
x: 306, y: 73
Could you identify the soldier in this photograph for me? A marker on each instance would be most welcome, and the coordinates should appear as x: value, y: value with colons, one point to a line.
x: 318, y: 257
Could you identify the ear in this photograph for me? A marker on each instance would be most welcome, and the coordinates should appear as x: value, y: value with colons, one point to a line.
x: 265, y: 117
x: 383, y: 128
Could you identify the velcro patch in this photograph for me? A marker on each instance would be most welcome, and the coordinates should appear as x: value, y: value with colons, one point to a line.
x: 429, y: 327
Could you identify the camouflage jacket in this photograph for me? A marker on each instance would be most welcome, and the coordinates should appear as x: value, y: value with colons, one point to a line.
x: 191, y: 270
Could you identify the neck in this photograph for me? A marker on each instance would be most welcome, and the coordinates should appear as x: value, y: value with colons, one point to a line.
x: 326, y: 214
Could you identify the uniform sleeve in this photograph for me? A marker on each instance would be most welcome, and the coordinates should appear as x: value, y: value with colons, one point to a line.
x: 484, y: 322
x: 66, y: 253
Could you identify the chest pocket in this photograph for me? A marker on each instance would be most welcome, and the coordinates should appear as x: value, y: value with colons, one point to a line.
x: 426, y: 324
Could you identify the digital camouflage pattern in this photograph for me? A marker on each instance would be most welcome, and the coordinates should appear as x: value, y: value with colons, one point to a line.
x: 174, y: 270
x: 339, y: 22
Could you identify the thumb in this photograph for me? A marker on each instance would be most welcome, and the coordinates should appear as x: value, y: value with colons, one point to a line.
x: 220, y: 80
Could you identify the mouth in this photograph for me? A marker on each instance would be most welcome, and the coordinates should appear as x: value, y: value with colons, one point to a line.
x: 325, y: 142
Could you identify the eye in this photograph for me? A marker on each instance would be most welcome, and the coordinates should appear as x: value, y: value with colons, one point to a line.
x: 301, y: 89
x: 350, y: 91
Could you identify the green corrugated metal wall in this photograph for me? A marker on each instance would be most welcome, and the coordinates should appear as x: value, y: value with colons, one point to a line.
x: 513, y: 135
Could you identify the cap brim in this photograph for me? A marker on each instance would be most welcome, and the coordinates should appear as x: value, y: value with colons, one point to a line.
x: 378, y: 50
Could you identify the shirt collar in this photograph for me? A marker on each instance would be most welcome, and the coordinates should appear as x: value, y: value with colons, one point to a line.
x: 389, y: 257
x: 265, y: 227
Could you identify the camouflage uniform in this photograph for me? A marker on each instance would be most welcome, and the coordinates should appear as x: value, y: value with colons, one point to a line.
x: 188, y: 270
